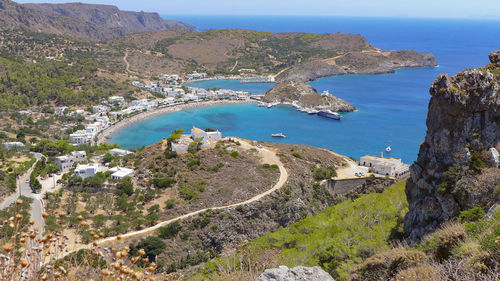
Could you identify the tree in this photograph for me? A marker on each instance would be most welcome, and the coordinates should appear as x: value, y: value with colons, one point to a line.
x: 153, y: 246
x: 125, y: 186
x: 107, y: 158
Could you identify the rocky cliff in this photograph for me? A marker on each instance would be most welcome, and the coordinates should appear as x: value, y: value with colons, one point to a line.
x: 457, y: 166
x: 110, y: 17
x: 93, y: 22
x: 306, y: 95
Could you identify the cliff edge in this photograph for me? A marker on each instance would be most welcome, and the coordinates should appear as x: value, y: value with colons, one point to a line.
x: 457, y: 166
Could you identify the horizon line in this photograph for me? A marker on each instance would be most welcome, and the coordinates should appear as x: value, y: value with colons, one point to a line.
x: 343, y: 16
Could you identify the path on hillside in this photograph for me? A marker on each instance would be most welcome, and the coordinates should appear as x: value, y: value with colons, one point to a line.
x: 234, y: 66
x: 127, y: 64
x: 266, y: 155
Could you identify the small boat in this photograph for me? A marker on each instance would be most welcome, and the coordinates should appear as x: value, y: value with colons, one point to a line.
x: 280, y: 135
x: 262, y: 104
x: 388, y: 149
x: 330, y: 114
x: 326, y: 93
x: 302, y: 109
x: 269, y: 105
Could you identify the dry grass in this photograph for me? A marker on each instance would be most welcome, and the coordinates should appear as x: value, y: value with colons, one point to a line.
x: 27, y: 255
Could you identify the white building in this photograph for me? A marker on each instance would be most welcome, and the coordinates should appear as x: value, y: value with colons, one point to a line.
x: 145, y: 103
x: 120, y: 152
x: 66, y: 162
x: 196, y: 75
x: 114, y: 99
x: 86, y: 171
x: 119, y: 173
x: 13, y: 144
x: 393, y: 167
x: 100, y: 109
x: 80, y: 137
x: 206, y: 136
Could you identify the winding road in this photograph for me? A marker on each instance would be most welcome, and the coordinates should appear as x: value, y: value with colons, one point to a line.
x: 24, y: 189
x: 266, y: 155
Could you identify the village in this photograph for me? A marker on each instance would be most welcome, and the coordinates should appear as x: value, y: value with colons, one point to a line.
x: 169, y: 91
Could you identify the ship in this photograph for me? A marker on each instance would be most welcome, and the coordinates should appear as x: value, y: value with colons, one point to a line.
x: 279, y: 135
x: 330, y: 114
x: 388, y: 149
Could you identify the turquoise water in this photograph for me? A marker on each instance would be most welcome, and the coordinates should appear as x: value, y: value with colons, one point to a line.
x: 392, y: 107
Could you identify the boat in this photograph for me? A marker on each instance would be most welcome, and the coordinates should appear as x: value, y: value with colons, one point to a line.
x: 279, y: 135
x: 269, y: 105
x: 388, y: 149
x: 312, y: 111
x: 302, y: 109
x: 329, y: 114
x: 262, y: 104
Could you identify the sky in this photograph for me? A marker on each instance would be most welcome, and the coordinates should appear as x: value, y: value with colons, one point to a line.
x: 478, y: 9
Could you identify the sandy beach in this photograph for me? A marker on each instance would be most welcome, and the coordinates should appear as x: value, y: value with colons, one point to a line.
x: 105, y: 134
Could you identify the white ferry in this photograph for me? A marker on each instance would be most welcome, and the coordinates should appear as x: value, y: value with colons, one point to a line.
x: 330, y: 114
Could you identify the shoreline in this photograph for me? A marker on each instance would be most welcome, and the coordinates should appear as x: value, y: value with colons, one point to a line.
x: 106, y: 134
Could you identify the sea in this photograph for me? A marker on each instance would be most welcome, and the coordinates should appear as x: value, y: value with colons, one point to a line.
x: 392, y: 108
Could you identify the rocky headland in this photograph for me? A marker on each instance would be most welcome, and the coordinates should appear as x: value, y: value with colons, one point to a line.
x: 458, y: 163
x: 305, y: 95
x: 365, y: 62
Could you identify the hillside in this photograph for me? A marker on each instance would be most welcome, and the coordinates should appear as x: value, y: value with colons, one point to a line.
x: 78, y: 20
x: 295, y: 56
x: 110, y: 17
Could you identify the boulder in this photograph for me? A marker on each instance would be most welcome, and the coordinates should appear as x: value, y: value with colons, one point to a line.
x: 298, y: 273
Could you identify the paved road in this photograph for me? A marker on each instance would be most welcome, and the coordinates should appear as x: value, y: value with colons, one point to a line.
x: 268, y: 157
x: 24, y: 189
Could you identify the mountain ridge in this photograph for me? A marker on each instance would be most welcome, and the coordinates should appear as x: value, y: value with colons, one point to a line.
x: 35, y: 18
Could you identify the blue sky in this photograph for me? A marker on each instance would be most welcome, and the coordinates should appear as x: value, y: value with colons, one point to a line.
x: 487, y: 9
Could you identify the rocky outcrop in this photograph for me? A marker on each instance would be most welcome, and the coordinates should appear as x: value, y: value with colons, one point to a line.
x: 306, y: 95
x: 298, y: 273
x: 364, y: 62
x: 463, y: 135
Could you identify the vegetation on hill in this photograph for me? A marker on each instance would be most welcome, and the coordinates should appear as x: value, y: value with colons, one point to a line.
x: 360, y: 240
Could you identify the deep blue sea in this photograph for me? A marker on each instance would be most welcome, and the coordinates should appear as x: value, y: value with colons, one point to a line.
x: 392, y: 107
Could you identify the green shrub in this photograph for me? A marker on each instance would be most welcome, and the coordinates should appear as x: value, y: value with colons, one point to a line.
x: 234, y: 154
x: 324, y: 173
x: 188, y: 194
x: 239, y: 208
x: 476, y: 161
x: 169, y: 231
x: 170, y: 204
x: 162, y: 182
x: 472, y: 215
x: 296, y: 155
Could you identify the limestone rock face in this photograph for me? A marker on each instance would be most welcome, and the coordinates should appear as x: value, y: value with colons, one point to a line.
x: 306, y: 95
x: 299, y: 273
x: 463, y: 122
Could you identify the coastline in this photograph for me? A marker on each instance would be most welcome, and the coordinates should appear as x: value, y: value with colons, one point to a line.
x: 105, y: 134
